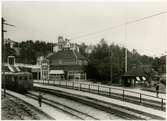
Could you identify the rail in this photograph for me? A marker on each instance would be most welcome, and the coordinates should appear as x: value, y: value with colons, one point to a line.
x: 101, y: 88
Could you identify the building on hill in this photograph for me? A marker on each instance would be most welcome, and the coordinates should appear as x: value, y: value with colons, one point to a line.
x: 9, y: 42
x: 64, y: 45
x: 89, y: 49
x: 66, y: 62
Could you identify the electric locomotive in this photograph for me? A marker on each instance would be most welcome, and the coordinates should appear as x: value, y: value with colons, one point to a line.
x: 15, y: 79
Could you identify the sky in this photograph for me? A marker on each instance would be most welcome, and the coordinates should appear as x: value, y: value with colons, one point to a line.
x: 74, y: 20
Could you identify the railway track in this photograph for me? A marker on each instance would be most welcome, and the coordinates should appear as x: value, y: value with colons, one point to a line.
x: 23, y: 107
x: 122, y: 112
x: 112, y: 109
x: 67, y: 109
x: 136, y: 100
x: 28, y: 107
x: 72, y: 111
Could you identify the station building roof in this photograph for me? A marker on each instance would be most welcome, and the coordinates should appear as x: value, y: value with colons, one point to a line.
x: 62, y: 55
x: 13, y: 69
x: 135, y: 72
x: 65, y: 55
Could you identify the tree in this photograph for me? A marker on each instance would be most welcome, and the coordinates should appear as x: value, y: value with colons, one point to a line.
x: 100, y: 61
x: 31, y: 50
x: 82, y: 49
x: 8, y: 52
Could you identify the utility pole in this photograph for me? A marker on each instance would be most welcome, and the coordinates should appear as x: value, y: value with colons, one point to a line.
x: 3, y: 52
x: 3, y: 58
x: 126, y: 54
x: 110, y: 64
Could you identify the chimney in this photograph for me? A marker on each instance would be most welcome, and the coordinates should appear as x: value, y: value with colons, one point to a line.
x: 60, y: 39
x: 60, y: 42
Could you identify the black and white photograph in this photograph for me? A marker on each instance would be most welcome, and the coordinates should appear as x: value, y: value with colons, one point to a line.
x: 83, y: 60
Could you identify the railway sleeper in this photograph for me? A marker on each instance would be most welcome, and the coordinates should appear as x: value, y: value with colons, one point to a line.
x: 66, y: 109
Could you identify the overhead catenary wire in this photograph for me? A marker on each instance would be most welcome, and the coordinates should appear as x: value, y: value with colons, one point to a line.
x: 125, y: 25
x: 9, y: 24
x: 119, y: 25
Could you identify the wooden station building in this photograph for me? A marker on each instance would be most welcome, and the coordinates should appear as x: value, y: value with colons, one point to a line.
x: 66, y: 62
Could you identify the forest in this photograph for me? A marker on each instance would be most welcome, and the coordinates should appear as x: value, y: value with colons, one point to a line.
x: 106, y: 63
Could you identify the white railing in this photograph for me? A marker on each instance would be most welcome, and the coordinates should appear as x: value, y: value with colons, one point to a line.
x: 102, y: 89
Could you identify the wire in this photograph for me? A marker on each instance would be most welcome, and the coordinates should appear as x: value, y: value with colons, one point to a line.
x: 96, y: 32
x: 119, y: 25
x: 9, y: 24
x: 146, y: 17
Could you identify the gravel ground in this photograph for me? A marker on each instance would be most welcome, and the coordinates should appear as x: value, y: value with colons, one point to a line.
x: 14, y: 109
x: 102, y: 115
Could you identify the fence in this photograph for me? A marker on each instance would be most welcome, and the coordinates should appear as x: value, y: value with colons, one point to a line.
x: 105, y: 90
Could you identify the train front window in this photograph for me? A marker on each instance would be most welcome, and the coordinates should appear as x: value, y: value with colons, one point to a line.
x: 12, y: 78
x: 25, y: 78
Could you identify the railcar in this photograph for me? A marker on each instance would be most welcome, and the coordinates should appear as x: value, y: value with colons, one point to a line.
x: 19, y: 81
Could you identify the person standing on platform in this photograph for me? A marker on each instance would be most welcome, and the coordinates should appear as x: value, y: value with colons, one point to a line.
x: 40, y: 99
x: 157, y: 89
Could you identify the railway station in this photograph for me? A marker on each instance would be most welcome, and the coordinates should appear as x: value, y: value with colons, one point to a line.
x: 83, y: 61
x: 59, y: 93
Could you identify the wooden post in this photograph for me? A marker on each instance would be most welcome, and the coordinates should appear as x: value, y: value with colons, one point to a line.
x: 85, y: 76
x: 98, y: 89
x: 109, y: 91
x: 140, y: 98
x: 37, y: 76
x: 89, y: 87
x: 73, y: 85
x: 162, y: 103
x: 123, y: 94
x: 80, y: 86
x: 59, y: 83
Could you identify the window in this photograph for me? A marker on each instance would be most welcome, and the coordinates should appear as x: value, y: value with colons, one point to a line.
x: 143, y: 78
x: 60, y: 62
x: 80, y: 62
x: 12, y: 78
x: 138, y: 79
x: 85, y: 62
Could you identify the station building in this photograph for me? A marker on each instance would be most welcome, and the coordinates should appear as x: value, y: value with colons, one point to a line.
x: 66, y: 62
